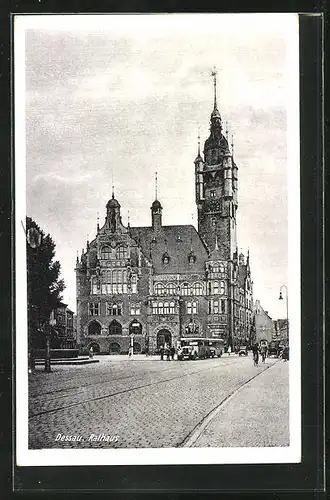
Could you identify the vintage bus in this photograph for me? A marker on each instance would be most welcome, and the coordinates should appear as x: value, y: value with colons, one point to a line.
x: 200, y: 348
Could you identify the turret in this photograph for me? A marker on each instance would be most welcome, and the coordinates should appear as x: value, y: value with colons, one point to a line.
x: 113, y: 214
x: 156, y: 215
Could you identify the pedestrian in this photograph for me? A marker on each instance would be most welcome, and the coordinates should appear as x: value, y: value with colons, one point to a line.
x: 229, y: 350
x: 172, y: 351
x: 130, y: 351
x: 255, y: 351
x: 161, y: 352
x: 91, y: 352
x: 168, y: 353
x: 263, y: 353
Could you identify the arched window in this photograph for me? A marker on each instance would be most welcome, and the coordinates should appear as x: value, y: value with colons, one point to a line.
x: 215, y: 268
x: 222, y: 287
x: 215, y: 288
x: 185, y: 289
x: 215, y: 307
x: 159, y: 289
x: 154, y: 307
x: 221, y: 268
x: 94, y: 328
x: 96, y: 287
x: 121, y: 253
x: 166, y: 308
x: 172, y: 307
x: 106, y: 253
x: 197, y: 289
x: 160, y: 308
x: 171, y: 289
x: 115, y: 328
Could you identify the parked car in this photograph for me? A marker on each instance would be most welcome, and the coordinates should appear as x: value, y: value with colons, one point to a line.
x: 243, y: 350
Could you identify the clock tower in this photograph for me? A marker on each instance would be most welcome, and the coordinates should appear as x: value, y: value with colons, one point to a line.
x: 216, y: 189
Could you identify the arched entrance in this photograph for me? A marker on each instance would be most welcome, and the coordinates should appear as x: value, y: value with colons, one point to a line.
x: 115, y: 328
x: 95, y: 347
x: 94, y: 328
x: 114, y: 348
x: 164, y: 337
x: 135, y: 328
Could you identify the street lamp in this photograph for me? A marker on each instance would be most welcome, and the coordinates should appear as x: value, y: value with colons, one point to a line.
x: 287, y: 308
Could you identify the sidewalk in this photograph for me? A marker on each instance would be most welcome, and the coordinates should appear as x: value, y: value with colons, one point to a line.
x: 257, y: 415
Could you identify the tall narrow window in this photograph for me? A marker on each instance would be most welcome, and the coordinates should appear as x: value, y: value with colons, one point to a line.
x: 172, y: 308
x: 223, y: 306
x: 94, y: 309
x: 185, y: 289
x: 215, y: 307
x: 171, y: 289
x: 160, y: 308
x: 221, y: 268
x: 134, y: 283
x: 215, y: 288
x: 222, y: 287
x: 154, y: 307
x: 166, y: 308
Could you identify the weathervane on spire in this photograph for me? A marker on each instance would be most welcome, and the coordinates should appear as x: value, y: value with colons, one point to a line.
x: 214, y: 74
x: 199, y: 142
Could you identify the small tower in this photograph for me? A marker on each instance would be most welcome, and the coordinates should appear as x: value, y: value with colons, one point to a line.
x: 199, y: 164
x: 156, y: 211
x: 113, y: 219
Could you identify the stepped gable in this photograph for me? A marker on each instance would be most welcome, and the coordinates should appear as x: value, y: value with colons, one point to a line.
x: 171, y: 247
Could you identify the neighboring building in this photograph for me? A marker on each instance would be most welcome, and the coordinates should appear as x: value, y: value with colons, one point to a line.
x: 281, y: 329
x: 160, y: 283
x: 264, y: 325
x: 62, y: 336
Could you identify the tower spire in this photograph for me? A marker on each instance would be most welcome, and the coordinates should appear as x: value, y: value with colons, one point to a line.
x: 199, y: 143
x: 214, y: 74
x: 98, y: 222
x: 232, y: 144
x: 156, y: 186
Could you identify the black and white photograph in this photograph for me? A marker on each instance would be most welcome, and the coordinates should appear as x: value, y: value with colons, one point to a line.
x: 157, y: 239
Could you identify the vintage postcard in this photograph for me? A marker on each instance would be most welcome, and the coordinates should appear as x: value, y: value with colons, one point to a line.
x: 157, y: 239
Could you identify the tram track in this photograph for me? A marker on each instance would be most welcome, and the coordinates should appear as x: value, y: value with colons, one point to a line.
x: 123, y: 391
x: 94, y: 384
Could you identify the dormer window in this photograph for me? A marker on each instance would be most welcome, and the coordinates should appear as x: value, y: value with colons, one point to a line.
x: 166, y: 259
x: 212, y: 194
x: 178, y: 238
x: 191, y: 257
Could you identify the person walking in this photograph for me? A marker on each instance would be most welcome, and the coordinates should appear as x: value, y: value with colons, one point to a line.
x: 172, y: 351
x: 263, y: 351
x: 255, y: 351
x: 229, y: 350
x: 168, y: 353
x: 91, y: 352
x: 161, y: 352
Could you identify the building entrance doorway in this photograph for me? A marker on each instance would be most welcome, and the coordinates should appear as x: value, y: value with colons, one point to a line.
x: 164, y: 337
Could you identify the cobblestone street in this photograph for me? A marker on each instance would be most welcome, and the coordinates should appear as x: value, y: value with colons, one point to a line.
x: 146, y: 402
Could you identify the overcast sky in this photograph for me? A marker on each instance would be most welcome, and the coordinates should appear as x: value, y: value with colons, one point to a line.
x: 123, y: 96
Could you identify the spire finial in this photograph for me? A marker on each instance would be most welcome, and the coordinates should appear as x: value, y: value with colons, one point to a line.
x: 98, y: 222
x: 199, y: 142
x: 156, y: 186
x: 113, y: 191
x: 214, y: 74
x: 128, y: 219
x: 227, y: 132
x: 77, y: 256
x: 232, y: 143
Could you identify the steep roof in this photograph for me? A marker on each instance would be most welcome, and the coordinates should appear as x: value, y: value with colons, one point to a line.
x: 242, y: 274
x: 178, y: 242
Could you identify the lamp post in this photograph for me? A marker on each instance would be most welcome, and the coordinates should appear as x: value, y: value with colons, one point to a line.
x: 287, y: 308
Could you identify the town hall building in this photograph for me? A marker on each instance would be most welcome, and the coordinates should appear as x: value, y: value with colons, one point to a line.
x: 156, y: 284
